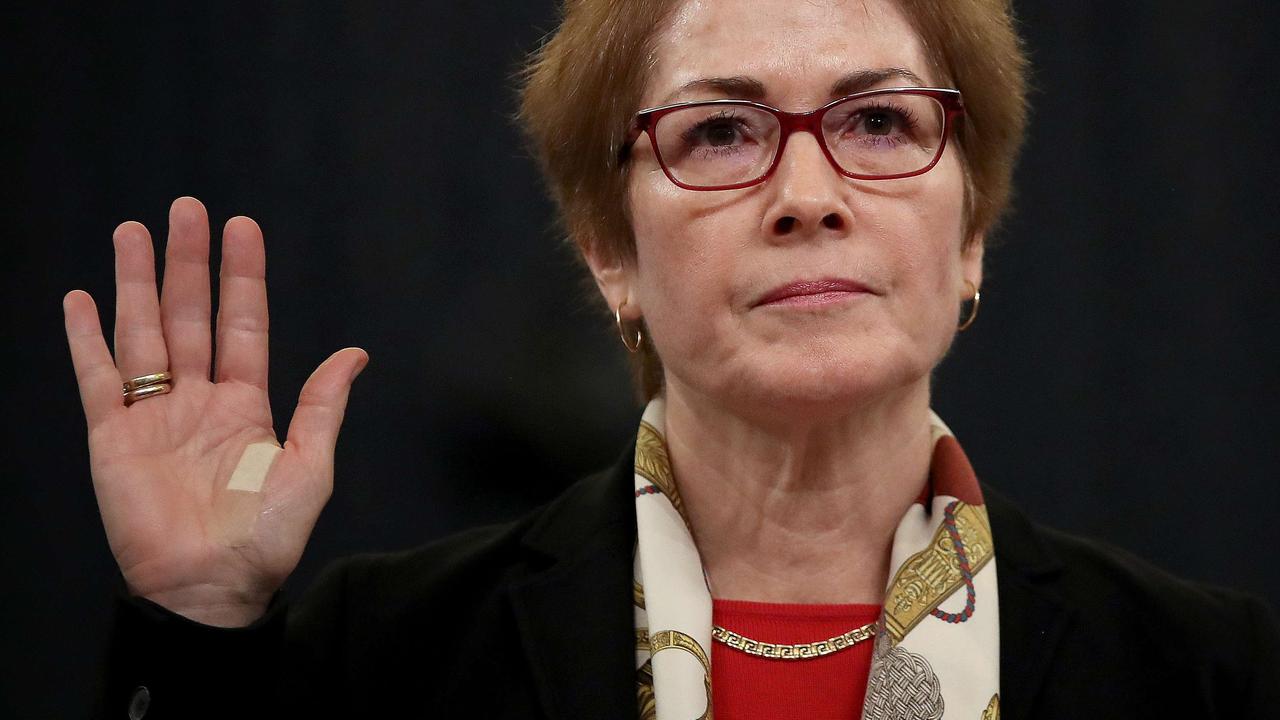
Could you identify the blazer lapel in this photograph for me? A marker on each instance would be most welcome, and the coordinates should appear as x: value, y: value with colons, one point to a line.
x: 574, y: 611
x: 1033, y: 616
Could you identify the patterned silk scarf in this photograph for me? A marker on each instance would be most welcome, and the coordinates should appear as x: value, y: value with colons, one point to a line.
x: 938, y: 640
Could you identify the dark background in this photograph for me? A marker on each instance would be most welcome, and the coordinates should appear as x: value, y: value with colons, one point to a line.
x: 1120, y: 383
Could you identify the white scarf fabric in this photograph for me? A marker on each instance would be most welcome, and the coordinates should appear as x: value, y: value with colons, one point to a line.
x: 937, y: 646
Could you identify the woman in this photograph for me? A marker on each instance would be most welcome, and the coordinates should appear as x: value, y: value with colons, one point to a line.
x: 789, y: 234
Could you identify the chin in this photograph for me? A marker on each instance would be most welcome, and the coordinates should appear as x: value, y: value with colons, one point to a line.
x: 810, y: 383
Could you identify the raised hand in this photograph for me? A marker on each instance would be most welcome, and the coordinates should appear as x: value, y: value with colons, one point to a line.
x: 161, y: 465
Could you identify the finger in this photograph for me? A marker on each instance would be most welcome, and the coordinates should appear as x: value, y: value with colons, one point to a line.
x: 242, y: 305
x: 139, y: 340
x: 184, y: 296
x: 96, y: 374
x: 323, y: 401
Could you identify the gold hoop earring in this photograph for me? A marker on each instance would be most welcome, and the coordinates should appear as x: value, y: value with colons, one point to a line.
x: 631, y: 346
x: 973, y: 312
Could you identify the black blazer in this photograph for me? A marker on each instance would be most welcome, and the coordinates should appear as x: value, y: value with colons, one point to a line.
x: 533, y: 619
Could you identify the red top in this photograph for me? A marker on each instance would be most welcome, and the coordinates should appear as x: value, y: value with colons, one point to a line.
x: 748, y: 687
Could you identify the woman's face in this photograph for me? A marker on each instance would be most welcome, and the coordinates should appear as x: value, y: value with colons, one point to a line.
x: 705, y: 260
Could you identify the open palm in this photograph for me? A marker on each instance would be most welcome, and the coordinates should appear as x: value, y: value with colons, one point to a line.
x: 161, y: 466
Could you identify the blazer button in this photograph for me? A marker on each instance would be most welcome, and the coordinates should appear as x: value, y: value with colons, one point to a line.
x: 139, y: 703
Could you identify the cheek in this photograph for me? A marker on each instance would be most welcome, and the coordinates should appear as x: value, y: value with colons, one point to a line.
x: 685, y: 258
x: 927, y: 236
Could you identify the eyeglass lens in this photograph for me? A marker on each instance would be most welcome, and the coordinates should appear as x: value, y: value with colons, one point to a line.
x: 727, y: 144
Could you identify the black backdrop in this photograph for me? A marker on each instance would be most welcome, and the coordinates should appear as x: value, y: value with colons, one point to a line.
x: 1121, y: 382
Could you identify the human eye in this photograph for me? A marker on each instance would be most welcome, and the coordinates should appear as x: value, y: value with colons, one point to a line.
x: 721, y: 131
x: 884, y: 134
x: 886, y: 120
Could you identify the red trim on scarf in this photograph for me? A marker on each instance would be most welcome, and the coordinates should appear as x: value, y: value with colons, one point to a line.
x: 744, y: 686
x: 950, y: 474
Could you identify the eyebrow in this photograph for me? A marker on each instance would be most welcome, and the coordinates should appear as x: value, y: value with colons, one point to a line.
x: 860, y: 80
x: 748, y: 88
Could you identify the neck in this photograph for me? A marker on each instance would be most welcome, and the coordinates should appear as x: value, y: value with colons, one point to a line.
x: 802, y: 511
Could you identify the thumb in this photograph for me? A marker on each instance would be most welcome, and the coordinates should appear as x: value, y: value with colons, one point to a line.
x: 323, y: 401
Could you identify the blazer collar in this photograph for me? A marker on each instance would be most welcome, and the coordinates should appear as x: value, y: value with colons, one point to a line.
x: 575, y: 617
x: 1034, y: 617
x: 574, y: 609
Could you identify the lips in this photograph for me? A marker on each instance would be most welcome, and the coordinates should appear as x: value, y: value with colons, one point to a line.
x: 813, y: 292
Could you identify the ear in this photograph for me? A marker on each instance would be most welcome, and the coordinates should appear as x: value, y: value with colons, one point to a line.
x: 615, y: 278
x: 971, y: 264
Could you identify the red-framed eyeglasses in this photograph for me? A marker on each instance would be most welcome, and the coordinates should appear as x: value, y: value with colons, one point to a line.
x: 727, y: 144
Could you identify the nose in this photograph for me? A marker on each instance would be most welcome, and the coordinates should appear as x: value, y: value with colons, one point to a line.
x: 808, y: 193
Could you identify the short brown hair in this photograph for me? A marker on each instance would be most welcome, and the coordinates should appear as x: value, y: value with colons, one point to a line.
x: 582, y: 87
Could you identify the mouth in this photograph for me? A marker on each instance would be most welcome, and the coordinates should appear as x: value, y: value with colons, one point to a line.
x: 825, y: 291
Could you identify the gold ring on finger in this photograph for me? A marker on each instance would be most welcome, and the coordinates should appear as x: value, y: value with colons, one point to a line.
x: 150, y: 379
x: 145, y: 392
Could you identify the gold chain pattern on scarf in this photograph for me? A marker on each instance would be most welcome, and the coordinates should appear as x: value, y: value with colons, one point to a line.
x: 803, y: 651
